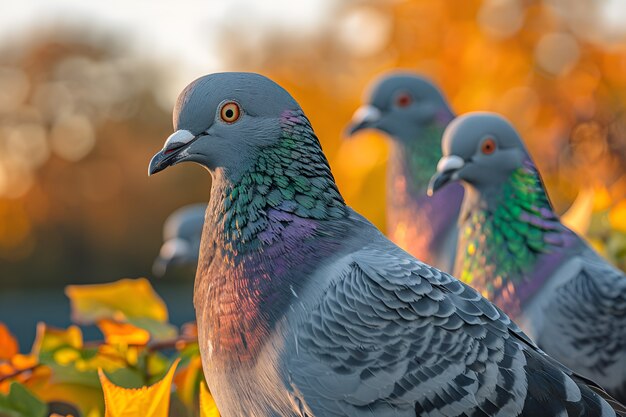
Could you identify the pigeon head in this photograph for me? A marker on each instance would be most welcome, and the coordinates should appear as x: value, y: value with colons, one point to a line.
x: 222, y: 120
x: 481, y: 149
x: 401, y: 105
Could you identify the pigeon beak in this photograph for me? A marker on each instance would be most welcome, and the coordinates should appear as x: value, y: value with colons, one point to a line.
x: 447, y: 170
x: 364, y: 117
x: 172, y: 152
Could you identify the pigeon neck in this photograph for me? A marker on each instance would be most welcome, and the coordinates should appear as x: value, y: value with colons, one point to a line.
x: 263, y: 238
x: 503, y: 234
x: 415, y: 160
x: 290, y: 182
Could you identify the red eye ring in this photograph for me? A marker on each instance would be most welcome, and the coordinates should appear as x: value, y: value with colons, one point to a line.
x: 488, y: 146
x: 230, y: 112
x: 403, y: 99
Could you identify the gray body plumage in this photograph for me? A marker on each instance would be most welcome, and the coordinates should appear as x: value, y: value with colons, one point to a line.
x: 580, y: 319
x: 182, y: 232
x: 305, y: 309
x: 516, y: 250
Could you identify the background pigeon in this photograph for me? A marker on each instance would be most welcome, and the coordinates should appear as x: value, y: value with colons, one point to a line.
x: 514, y: 249
x: 305, y: 309
x: 414, y: 113
x: 181, y: 238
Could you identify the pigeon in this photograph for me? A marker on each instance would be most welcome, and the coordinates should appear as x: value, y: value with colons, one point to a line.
x: 414, y: 113
x: 305, y: 309
x: 514, y: 250
x: 181, y: 239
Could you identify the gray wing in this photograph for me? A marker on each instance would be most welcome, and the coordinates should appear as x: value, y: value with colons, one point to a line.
x: 395, y: 337
x: 585, y: 323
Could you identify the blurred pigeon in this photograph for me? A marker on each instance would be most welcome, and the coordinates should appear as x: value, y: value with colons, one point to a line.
x: 515, y: 250
x: 414, y: 113
x: 305, y: 309
x: 181, y: 238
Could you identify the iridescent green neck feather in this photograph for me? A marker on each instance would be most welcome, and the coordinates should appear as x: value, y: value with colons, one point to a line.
x: 292, y: 176
x: 503, y: 234
x: 417, y: 158
x: 262, y: 237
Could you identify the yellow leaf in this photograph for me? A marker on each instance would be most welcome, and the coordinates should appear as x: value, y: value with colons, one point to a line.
x: 8, y: 343
x: 187, y: 381
x: 65, y: 356
x: 122, y: 333
x: 208, y: 408
x: 152, y: 401
x: 617, y: 216
x: 50, y: 338
x: 120, y: 300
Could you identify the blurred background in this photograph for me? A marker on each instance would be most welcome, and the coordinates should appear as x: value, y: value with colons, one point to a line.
x: 87, y: 88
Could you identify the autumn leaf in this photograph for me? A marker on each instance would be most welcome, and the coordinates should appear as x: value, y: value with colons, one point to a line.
x: 49, y: 339
x: 122, y: 333
x: 20, y: 402
x: 21, y: 368
x: 119, y: 300
x: 208, y: 408
x: 72, y: 368
x: 152, y: 401
x: 8, y: 343
x: 85, y: 398
x: 188, y: 380
x: 159, y: 331
x: 128, y: 312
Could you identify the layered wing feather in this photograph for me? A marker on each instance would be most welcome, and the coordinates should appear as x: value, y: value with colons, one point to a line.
x: 395, y: 337
x: 586, y: 328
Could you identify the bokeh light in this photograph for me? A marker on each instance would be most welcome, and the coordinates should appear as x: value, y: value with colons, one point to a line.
x: 86, y: 98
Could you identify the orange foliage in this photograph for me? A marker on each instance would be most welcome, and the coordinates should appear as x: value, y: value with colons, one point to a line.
x: 8, y: 344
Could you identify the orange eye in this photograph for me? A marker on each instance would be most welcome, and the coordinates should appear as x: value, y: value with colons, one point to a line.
x: 488, y: 146
x: 230, y: 112
x: 404, y: 100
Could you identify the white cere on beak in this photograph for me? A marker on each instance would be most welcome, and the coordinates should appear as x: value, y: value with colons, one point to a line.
x: 366, y: 114
x: 178, y: 138
x: 449, y: 163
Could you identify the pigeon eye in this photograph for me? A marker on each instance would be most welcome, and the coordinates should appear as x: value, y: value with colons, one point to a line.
x: 488, y: 146
x: 404, y: 100
x: 230, y: 112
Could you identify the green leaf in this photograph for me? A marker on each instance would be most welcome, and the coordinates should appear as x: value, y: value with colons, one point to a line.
x: 159, y: 331
x: 127, y: 378
x: 20, y: 402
